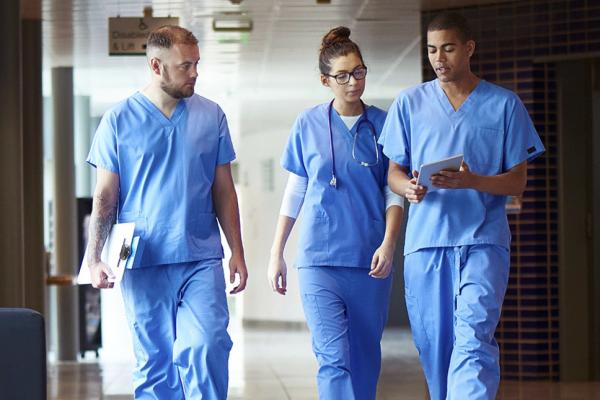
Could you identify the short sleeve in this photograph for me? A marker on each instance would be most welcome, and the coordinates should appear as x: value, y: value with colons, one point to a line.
x: 292, y: 159
x: 226, y: 153
x: 103, y: 153
x: 395, y: 136
x: 522, y: 142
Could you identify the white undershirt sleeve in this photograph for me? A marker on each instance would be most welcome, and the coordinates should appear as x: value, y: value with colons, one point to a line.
x: 392, y: 199
x: 293, y: 196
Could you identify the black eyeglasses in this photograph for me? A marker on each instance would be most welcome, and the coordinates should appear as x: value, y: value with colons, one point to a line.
x: 359, y: 73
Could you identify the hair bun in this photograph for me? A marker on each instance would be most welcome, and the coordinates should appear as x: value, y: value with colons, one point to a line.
x: 336, y: 35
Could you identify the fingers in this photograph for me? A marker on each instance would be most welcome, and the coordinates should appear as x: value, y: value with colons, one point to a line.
x: 102, y: 275
x: 283, y: 288
x: 275, y: 283
x: 103, y: 283
x: 243, y: 274
x: 379, y: 267
x: 243, y: 281
x: 232, y: 271
x: 108, y: 272
x: 374, y: 262
x: 446, y: 180
x: 415, y: 193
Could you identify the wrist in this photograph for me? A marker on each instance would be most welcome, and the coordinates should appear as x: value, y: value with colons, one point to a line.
x: 276, y: 252
x: 476, y: 182
x: 237, y: 253
x: 389, y: 243
x: 93, y: 260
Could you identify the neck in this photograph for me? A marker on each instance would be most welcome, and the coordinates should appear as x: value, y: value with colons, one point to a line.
x: 163, y: 101
x: 347, y: 109
x: 462, y: 86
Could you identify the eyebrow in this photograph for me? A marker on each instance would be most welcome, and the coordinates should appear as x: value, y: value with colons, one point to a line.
x: 443, y: 45
x: 190, y: 62
x: 342, y: 71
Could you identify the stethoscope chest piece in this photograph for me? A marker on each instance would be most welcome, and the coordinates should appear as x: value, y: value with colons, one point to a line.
x: 333, y: 182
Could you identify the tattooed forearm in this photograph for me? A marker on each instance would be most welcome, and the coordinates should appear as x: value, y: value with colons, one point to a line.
x: 104, y: 211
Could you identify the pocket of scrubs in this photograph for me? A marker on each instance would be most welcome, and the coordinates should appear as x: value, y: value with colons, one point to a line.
x: 139, y: 220
x: 315, y: 319
x: 416, y: 323
x: 204, y: 230
x: 141, y: 224
x: 483, y: 152
x: 315, y: 236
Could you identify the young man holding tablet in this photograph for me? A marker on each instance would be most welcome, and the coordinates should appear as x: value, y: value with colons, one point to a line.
x: 458, y: 239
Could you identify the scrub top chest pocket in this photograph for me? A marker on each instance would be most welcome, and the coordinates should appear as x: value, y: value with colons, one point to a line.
x: 483, y: 151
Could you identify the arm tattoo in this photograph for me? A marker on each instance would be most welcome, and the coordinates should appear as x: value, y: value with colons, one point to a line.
x: 101, y: 220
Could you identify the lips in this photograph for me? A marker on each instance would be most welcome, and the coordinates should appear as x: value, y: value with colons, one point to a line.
x: 442, y: 70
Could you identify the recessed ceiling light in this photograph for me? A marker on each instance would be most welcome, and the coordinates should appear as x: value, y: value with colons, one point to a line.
x: 232, y: 22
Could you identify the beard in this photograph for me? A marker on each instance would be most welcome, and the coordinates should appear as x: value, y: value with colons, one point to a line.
x: 170, y: 88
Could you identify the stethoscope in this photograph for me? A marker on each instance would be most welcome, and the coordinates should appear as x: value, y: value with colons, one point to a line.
x: 364, y: 119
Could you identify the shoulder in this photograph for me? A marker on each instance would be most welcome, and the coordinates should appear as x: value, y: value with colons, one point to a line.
x: 314, y: 112
x: 499, y: 93
x: 420, y: 90
x: 125, y: 106
x: 307, y: 119
x: 375, y: 113
x: 415, y: 94
x: 197, y: 102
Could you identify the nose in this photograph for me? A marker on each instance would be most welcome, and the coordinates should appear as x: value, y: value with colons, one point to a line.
x: 194, y: 73
x: 441, y: 56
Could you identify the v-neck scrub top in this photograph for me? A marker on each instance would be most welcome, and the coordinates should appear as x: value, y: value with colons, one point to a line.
x: 166, y: 168
x: 493, y: 131
x: 343, y: 226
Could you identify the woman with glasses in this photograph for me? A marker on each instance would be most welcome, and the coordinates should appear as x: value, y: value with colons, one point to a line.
x: 338, y: 175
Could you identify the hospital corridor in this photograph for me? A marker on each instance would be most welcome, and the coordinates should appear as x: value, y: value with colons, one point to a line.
x: 300, y: 199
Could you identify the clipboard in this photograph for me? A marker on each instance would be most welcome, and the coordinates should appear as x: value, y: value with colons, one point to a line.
x: 118, y: 253
x: 427, y: 170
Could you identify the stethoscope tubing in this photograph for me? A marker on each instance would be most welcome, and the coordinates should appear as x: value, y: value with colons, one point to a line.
x: 363, y: 119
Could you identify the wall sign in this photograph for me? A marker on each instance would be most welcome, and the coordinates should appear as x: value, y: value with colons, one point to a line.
x: 127, y: 36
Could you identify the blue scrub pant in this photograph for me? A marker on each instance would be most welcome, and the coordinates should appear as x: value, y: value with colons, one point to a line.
x: 346, y: 311
x: 178, y: 319
x: 454, y: 297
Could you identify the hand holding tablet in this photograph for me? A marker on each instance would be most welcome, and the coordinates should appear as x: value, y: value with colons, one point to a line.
x: 427, y: 170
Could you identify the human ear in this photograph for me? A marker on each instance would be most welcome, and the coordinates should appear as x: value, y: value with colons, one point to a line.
x: 471, y: 47
x: 155, y: 66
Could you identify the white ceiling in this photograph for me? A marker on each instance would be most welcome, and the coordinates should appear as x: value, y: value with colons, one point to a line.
x: 277, y: 59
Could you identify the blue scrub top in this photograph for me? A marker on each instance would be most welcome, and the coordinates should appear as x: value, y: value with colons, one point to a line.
x: 494, y: 132
x: 166, y: 169
x: 341, y: 227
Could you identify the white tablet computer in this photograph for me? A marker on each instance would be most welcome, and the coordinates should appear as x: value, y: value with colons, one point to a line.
x: 427, y: 170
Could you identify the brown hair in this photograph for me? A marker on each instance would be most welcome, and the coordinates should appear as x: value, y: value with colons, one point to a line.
x: 449, y: 20
x: 169, y: 35
x: 336, y: 43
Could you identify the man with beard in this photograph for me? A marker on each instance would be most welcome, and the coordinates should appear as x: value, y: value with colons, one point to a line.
x: 162, y: 158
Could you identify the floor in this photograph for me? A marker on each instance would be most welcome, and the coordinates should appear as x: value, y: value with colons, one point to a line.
x: 279, y: 365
